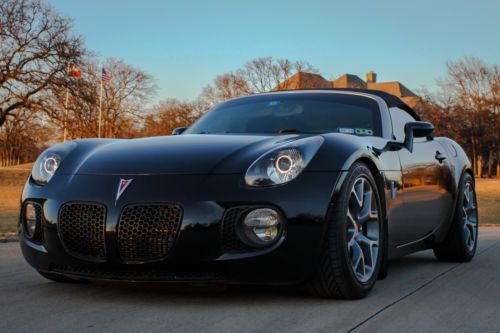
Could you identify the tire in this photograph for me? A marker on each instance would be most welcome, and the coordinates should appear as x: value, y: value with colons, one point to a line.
x: 337, y: 275
x: 60, y: 278
x: 460, y: 243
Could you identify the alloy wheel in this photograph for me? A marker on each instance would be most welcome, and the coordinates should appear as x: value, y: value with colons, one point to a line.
x: 363, y: 229
x: 469, y: 216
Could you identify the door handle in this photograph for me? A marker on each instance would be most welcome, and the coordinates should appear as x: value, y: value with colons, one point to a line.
x: 440, y: 157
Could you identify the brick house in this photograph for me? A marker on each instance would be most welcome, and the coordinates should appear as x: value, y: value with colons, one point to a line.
x: 304, y: 80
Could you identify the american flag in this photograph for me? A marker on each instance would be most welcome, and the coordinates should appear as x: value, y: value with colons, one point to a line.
x: 106, y: 77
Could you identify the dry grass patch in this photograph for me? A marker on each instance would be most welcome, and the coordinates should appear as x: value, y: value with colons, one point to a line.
x: 11, y: 188
x: 488, y: 197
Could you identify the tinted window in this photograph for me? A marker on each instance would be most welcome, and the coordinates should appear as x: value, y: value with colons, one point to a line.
x: 399, y: 119
x: 309, y: 113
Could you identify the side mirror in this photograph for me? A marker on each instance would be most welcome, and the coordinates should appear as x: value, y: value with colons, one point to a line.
x: 417, y: 129
x: 179, y: 130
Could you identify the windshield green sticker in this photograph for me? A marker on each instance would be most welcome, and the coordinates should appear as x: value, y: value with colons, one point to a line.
x: 364, y: 131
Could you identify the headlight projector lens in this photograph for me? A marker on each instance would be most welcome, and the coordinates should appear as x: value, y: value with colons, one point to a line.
x: 284, y: 163
x: 288, y: 165
x: 50, y: 165
x: 262, y: 226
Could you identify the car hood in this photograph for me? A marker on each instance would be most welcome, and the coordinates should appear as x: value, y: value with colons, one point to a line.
x: 180, y: 154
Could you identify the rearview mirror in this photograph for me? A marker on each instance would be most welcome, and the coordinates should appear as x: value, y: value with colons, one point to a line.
x: 416, y: 129
x: 178, y: 130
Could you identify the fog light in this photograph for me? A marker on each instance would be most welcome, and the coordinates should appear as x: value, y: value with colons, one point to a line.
x: 262, y: 226
x: 30, y: 220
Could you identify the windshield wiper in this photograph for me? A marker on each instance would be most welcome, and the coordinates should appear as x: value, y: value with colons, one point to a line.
x: 289, y: 131
x: 294, y: 131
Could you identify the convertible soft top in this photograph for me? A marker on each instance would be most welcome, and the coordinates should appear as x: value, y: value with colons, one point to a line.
x: 390, y: 100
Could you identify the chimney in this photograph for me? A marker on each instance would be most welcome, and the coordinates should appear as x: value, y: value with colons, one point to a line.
x: 371, y: 77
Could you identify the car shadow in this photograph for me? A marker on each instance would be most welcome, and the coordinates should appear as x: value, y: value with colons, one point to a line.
x: 210, y: 294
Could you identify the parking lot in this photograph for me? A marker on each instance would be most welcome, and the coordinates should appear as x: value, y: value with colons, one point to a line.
x: 420, y: 294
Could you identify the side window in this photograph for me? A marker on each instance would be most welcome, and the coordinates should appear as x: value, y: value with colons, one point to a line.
x: 399, y: 119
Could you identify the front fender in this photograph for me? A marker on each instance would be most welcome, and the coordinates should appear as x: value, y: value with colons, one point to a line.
x: 340, y: 151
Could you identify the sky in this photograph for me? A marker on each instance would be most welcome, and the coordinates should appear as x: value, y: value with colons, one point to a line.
x: 185, y: 44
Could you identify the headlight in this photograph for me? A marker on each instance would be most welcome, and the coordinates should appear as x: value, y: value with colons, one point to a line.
x: 49, y: 161
x: 46, y: 168
x: 283, y: 164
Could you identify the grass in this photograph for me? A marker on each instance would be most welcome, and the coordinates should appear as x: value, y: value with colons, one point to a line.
x: 13, y: 179
x: 11, y: 187
x: 488, y: 197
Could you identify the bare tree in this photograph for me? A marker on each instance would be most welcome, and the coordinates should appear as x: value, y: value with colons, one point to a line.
x: 80, y: 117
x: 224, y: 87
x: 36, y: 49
x: 472, y: 86
x: 264, y: 74
x: 258, y: 75
x: 124, y: 101
x: 23, y: 138
x: 171, y: 114
x: 125, y: 96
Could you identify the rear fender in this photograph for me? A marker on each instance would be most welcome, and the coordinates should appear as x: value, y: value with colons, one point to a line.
x: 459, y: 165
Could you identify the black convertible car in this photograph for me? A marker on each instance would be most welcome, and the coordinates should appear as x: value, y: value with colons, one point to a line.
x: 314, y: 187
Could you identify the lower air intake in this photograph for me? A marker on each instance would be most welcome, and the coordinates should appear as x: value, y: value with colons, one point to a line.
x: 147, y: 232
x: 231, y: 243
x: 82, y: 230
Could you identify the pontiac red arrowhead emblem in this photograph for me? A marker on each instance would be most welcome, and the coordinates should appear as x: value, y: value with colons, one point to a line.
x: 122, y: 186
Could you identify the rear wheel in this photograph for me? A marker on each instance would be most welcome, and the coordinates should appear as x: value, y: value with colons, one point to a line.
x: 461, y: 242
x: 60, y: 278
x: 352, y: 250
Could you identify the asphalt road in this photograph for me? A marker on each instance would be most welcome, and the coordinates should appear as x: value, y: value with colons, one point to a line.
x: 420, y: 295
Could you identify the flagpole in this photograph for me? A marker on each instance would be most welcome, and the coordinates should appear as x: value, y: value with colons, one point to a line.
x: 100, y: 112
x: 66, y: 115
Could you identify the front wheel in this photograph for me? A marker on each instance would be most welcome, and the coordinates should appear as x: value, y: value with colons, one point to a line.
x: 352, y: 251
x: 461, y: 241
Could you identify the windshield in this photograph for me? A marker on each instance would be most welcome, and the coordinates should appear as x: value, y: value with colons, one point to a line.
x: 293, y: 113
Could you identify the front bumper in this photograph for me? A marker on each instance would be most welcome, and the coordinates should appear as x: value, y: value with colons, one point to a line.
x: 198, y: 253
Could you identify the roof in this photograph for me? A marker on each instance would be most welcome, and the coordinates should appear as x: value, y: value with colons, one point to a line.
x: 304, y: 80
x: 393, y: 87
x: 390, y: 100
x: 412, y: 101
x: 349, y: 80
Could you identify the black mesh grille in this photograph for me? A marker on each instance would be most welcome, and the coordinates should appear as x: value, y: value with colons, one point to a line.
x: 82, y: 229
x: 231, y: 243
x: 148, y: 232
x: 38, y: 236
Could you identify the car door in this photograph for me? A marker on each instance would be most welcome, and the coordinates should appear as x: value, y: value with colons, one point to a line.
x: 426, y: 180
